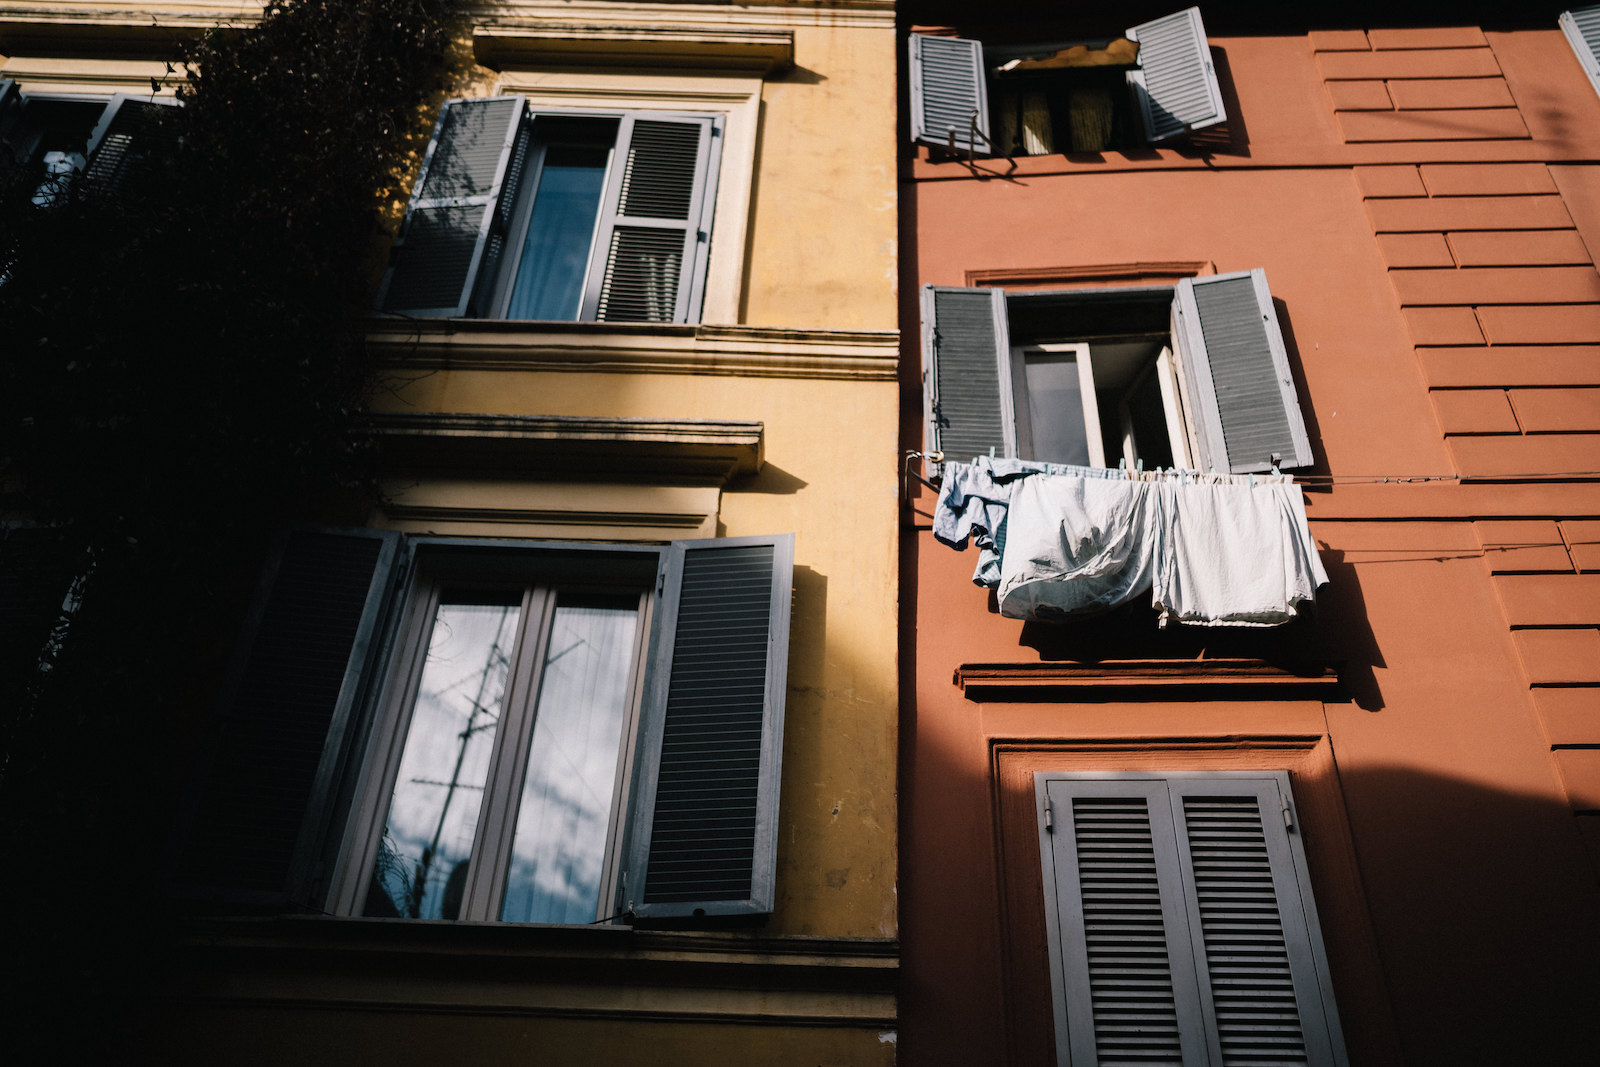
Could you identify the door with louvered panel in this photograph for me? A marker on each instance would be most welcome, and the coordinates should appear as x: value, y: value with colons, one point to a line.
x: 1182, y: 927
x: 654, y: 232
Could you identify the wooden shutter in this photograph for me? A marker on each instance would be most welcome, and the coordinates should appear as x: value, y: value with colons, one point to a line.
x: 1240, y: 395
x: 705, y: 806
x: 10, y: 109
x: 131, y: 130
x: 452, y: 213
x: 948, y: 93
x: 1175, y: 83
x: 262, y: 805
x: 966, y: 373
x: 38, y: 565
x: 1181, y: 923
x: 654, y: 234
x: 1582, y: 27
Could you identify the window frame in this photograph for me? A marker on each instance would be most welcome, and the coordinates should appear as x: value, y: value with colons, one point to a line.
x: 439, y: 563
x: 1303, y: 943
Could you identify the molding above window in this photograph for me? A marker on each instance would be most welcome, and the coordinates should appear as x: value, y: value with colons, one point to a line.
x: 1099, y: 274
x: 700, y: 449
x: 549, y: 510
x: 1145, y: 679
x: 105, y: 34
x: 749, y: 351
x: 677, y: 47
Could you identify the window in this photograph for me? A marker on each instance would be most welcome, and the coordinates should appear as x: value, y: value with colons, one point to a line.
x: 1582, y: 27
x: 533, y: 732
x: 60, y: 137
x: 1153, y: 86
x: 1181, y: 923
x: 523, y: 213
x: 1194, y: 375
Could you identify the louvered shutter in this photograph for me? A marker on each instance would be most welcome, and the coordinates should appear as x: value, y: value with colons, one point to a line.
x: 654, y: 234
x: 38, y: 566
x: 1241, y: 399
x: 1175, y: 83
x: 1582, y: 27
x: 1265, y: 994
x: 704, y: 828
x: 966, y: 373
x: 948, y: 93
x: 131, y: 130
x: 453, y: 211
x: 1181, y: 923
x: 261, y: 807
x: 10, y: 113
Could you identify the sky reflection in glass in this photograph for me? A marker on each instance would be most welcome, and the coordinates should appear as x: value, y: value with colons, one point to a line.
x: 555, y: 254
x: 558, y: 853
x: 433, y: 816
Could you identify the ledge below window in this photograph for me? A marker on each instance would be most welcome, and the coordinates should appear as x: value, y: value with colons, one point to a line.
x: 1145, y: 680
x: 755, y: 351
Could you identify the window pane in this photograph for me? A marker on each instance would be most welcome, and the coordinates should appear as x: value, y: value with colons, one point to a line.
x: 426, y: 849
x: 558, y: 853
x: 1055, y: 408
x: 566, y: 204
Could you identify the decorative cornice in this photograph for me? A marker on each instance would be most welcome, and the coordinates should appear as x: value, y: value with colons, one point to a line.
x: 878, y: 13
x: 675, y: 47
x: 507, y: 969
x: 110, y: 30
x: 754, y: 351
x: 1145, y: 679
x: 698, y: 449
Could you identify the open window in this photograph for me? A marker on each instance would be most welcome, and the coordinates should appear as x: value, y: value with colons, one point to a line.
x: 1181, y: 922
x: 1155, y: 85
x: 598, y: 216
x: 530, y: 732
x: 57, y: 137
x: 1194, y: 375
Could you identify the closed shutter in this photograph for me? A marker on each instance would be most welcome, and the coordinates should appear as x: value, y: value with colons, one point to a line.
x: 1240, y: 394
x: 710, y: 741
x: 453, y: 212
x: 261, y: 808
x: 654, y: 234
x: 131, y: 130
x: 948, y: 93
x: 1582, y: 27
x: 1181, y: 923
x: 966, y: 373
x: 1175, y: 83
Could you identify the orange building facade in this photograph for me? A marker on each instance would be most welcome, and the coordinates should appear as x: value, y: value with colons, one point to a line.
x: 1422, y: 206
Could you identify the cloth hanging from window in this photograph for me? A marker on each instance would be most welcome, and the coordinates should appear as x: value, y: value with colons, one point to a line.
x: 1058, y: 541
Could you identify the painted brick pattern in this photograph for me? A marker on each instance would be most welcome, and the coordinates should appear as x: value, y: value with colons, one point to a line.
x: 1502, y: 300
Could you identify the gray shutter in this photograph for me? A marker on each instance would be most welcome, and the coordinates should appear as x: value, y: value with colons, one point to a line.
x: 1240, y: 395
x: 1258, y: 970
x: 948, y: 93
x: 131, y: 130
x: 1181, y: 922
x: 452, y: 213
x: 1582, y: 27
x: 1175, y: 83
x: 1125, y: 986
x: 654, y: 233
x: 966, y: 373
x: 705, y: 806
x: 10, y: 114
x: 262, y: 805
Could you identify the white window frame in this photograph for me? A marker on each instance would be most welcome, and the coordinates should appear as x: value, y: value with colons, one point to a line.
x: 1075, y: 1042
x: 736, y: 97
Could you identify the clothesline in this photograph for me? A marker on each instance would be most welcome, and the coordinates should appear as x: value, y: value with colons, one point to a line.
x: 1362, y: 479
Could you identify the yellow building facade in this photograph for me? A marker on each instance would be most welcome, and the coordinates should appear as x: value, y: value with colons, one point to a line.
x: 556, y: 451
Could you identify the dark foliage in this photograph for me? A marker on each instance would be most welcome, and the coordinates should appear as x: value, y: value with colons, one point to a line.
x: 181, y: 368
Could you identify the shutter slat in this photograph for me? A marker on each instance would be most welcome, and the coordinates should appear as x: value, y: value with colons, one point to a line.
x: 130, y: 132
x: 1179, y: 90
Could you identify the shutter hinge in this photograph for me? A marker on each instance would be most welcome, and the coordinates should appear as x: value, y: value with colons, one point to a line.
x: 1049, y: 819
x: 661, y: 582
x: 1288, y: 817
